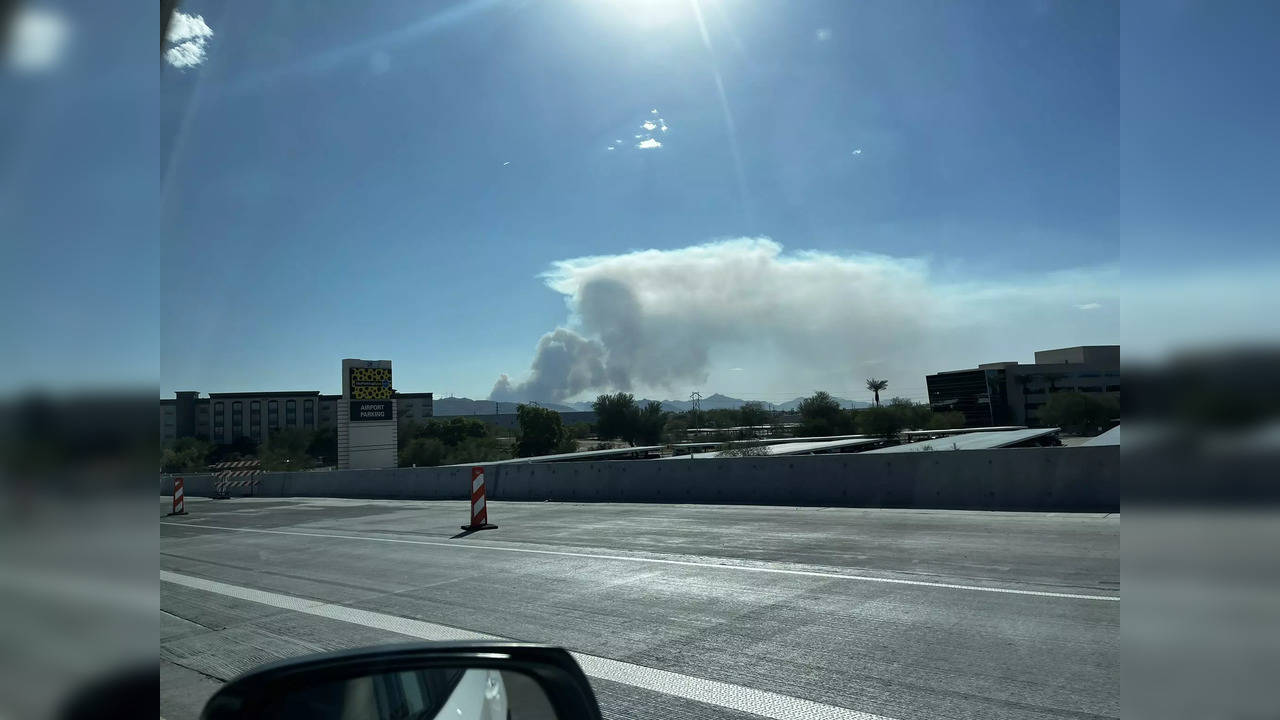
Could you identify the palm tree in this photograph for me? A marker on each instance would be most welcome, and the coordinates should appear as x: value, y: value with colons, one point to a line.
x: 876, y: 386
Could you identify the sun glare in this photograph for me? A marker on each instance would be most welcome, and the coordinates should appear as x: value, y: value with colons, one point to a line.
x: 650, y: 13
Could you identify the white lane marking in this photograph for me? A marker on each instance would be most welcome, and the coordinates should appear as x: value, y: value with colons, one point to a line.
x: 664, y: 561
x: 711, y: 692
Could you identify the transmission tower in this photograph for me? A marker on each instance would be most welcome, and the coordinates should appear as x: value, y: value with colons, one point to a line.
x: 695, y: 397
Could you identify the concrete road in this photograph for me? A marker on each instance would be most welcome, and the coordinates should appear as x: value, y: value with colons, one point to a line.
x: 674, y: 610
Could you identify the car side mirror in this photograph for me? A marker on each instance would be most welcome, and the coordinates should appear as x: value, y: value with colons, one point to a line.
x: 418, y: 681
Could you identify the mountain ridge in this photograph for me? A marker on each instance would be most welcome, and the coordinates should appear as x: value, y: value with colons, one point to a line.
x: 454, y: 406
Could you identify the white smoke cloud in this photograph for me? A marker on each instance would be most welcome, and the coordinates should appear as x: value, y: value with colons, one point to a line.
x: 189, y: 34
x: 652, y: 318
x: 564, y: 365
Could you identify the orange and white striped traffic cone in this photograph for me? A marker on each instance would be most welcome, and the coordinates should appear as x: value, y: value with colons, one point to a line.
x: 179, y: 498
x: 479, y: 509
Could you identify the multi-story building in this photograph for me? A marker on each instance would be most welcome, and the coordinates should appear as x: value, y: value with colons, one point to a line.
x: 1009, y: 393
x: 221, y: 418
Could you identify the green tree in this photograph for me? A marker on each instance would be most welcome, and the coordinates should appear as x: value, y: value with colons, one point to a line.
x: 477, y: 450
x: 875, y: 386
x: 753, y: 414
x: 677, y: 427
x: 453, y: 431
x: 820, y: 415
x: 914, y: 416
x: 324, y: 445
x: 243, y: 447
x: 885, y: 422
x: 946, y: 420
x: 579, y: 430
x: 186, y: 454
x: 408, y: 432
x: 286, y: 449
x: 422, y: 452
x: 649, y: 424
x: 616, y: 415
x: 721, y: 418
x: 541, y: 431
x: 1078, y: 413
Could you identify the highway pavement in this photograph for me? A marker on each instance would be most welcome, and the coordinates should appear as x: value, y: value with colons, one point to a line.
x: 673, y: 610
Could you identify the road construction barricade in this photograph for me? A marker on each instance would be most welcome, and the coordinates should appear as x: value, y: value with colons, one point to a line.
x: 235, y: 474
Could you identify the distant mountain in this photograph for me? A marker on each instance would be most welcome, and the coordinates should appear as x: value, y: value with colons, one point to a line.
x: 466, y: 406
x: 450, y: 406
x: 715, y: 401
x: 718, y: 401
x: 792, y: 405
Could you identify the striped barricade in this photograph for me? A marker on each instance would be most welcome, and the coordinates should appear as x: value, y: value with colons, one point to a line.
x: 179, y: 497
x: 479, y: 508
x: 235, y: 474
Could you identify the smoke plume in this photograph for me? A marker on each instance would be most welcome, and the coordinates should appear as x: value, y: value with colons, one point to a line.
x: 651, y: 319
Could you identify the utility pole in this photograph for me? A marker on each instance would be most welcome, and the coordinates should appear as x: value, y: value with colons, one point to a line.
x: 695, y: 414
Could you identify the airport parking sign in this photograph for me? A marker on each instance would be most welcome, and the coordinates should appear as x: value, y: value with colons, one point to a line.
x: 371, y: 411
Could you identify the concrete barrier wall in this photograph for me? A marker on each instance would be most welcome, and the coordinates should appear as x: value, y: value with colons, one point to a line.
x: 1060, y: 478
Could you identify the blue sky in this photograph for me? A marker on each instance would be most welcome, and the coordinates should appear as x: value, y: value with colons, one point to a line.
x: 392, y: 180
